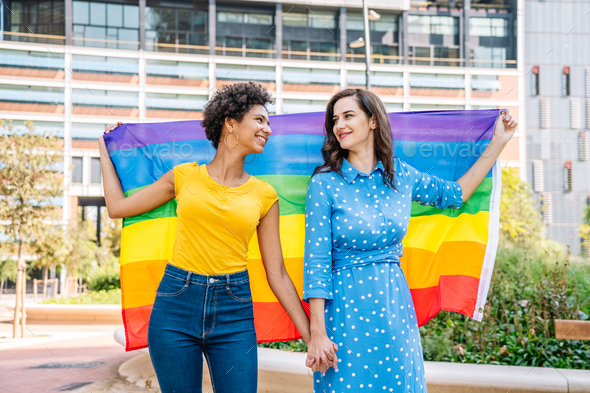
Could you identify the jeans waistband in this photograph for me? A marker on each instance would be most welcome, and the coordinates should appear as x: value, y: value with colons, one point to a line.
x: 202, y: 279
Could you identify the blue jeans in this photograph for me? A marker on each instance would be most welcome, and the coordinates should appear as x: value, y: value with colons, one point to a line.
x: 195, y: 314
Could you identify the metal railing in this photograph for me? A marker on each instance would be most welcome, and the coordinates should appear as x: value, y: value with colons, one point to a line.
x: 34, y: 38
x: 258, y: 53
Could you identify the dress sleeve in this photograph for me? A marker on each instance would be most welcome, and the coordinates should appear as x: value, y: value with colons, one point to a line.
x: 432, y: 190
x: 181, y: 173
x: 317, y: 277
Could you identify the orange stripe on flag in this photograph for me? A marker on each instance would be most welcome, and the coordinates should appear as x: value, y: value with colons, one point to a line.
x: 139, y: 281
x: 261, y: 291
x: 426, y: 266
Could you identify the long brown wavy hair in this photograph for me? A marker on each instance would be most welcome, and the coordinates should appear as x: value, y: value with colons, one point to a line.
x: 332, y: 152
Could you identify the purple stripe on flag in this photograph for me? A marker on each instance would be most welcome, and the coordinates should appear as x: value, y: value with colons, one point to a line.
x: 425, y: 126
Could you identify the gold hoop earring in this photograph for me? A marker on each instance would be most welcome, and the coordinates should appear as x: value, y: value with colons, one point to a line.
x: 250, y: 160
x: 225, y: 140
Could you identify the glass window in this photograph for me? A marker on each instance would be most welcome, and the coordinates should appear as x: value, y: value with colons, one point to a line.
x: 441, y: 53
x: 77, y: 170
x: 17, y: 16
x: 199, y: 21
x: 98, y: 14
x: 259, y: 19
x: 87, y: 131
x: 36, y: 17
x: 322, y: 19
x: 131, y: 16
x: 101, y: 25
x: 230, y: 17
x: 168, y: 19
x: 425, y: 24
x: 80, y: 12
x: 115, y: 15
x: 31, y: 13
x: 184, y: 21
x: 128, y: 35
x: 152, y: 18
x: 488, y: 27
x: 295, y: 19
x: 418, y: 24
x: 354, y: 21
x: 489, y: 57
x: 59, y: 13
x: 444, y: 25
x: 95, y: 172
x: 45, y: 12
x: 385, y: 23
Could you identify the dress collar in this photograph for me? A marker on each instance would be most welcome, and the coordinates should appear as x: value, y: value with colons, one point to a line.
x: 350, y: 173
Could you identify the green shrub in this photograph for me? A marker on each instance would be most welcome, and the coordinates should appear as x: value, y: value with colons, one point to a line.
x: 107, y: 278
x: 527, y: 293
x: 292, y: 346
x: 101, y: 297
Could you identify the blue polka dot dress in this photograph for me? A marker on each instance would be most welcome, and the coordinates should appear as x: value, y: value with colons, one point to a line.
x: 354, y: 226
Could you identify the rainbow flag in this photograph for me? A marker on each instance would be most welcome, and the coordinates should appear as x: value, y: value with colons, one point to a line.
x: 448, y: 254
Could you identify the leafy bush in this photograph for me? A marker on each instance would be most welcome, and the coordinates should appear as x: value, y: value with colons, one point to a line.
x: 101, y: 297
x: 107, y: 278
x: 526, y: 295
x: 292, y: 346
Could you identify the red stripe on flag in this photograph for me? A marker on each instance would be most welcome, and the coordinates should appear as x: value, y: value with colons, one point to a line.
x: 136, y: 321
x: 458, y: 294
x: 273, y: 324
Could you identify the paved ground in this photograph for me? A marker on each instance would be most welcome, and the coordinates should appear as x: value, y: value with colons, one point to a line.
x: 77, y: 358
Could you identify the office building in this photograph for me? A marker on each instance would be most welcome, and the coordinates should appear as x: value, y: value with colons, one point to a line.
x: 73, y: 66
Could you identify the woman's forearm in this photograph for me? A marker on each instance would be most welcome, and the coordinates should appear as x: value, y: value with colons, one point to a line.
x: 317, y: 323
x: 471, y: 180
x: 113, y: 192
x: 284, y: 289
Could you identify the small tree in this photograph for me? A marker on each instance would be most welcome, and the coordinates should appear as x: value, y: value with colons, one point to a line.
x: 585, y: 232
x: 82, y: 250
x: 521, y: 222
x: 51, y: 249
x: 29, y: 179
x: 7, y: 266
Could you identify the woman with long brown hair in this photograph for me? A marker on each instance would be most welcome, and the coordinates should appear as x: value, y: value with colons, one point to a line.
x: 356, y: 216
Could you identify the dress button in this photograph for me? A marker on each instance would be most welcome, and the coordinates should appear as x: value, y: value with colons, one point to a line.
x: 211, y: 280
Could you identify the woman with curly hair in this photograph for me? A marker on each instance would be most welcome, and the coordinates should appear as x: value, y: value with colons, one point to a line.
x: 203, y: 304
x: 356, y: 216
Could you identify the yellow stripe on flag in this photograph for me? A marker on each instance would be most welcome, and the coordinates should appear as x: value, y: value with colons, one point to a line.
x: 430, y: 232
x: 292, y: 231
x: 149, y: 240
x: 261, y: 291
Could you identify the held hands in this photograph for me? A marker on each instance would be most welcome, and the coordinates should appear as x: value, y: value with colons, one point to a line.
x: 505, y: 127
x: 321, y: 354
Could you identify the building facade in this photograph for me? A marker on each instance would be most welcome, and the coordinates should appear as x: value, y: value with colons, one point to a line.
x: 73, y: 66
x: 558, y: 113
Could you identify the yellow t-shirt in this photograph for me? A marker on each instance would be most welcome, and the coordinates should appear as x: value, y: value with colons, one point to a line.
x: 215, y: 222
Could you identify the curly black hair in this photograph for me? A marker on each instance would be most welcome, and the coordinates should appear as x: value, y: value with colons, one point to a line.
x: 233, y: 101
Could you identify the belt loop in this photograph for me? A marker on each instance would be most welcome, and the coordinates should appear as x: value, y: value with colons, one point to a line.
x: 188, y: 279
x: 227, y: 278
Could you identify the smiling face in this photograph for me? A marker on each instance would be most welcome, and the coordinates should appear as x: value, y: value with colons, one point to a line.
x: 253, y: 131
x: 353, y: 130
